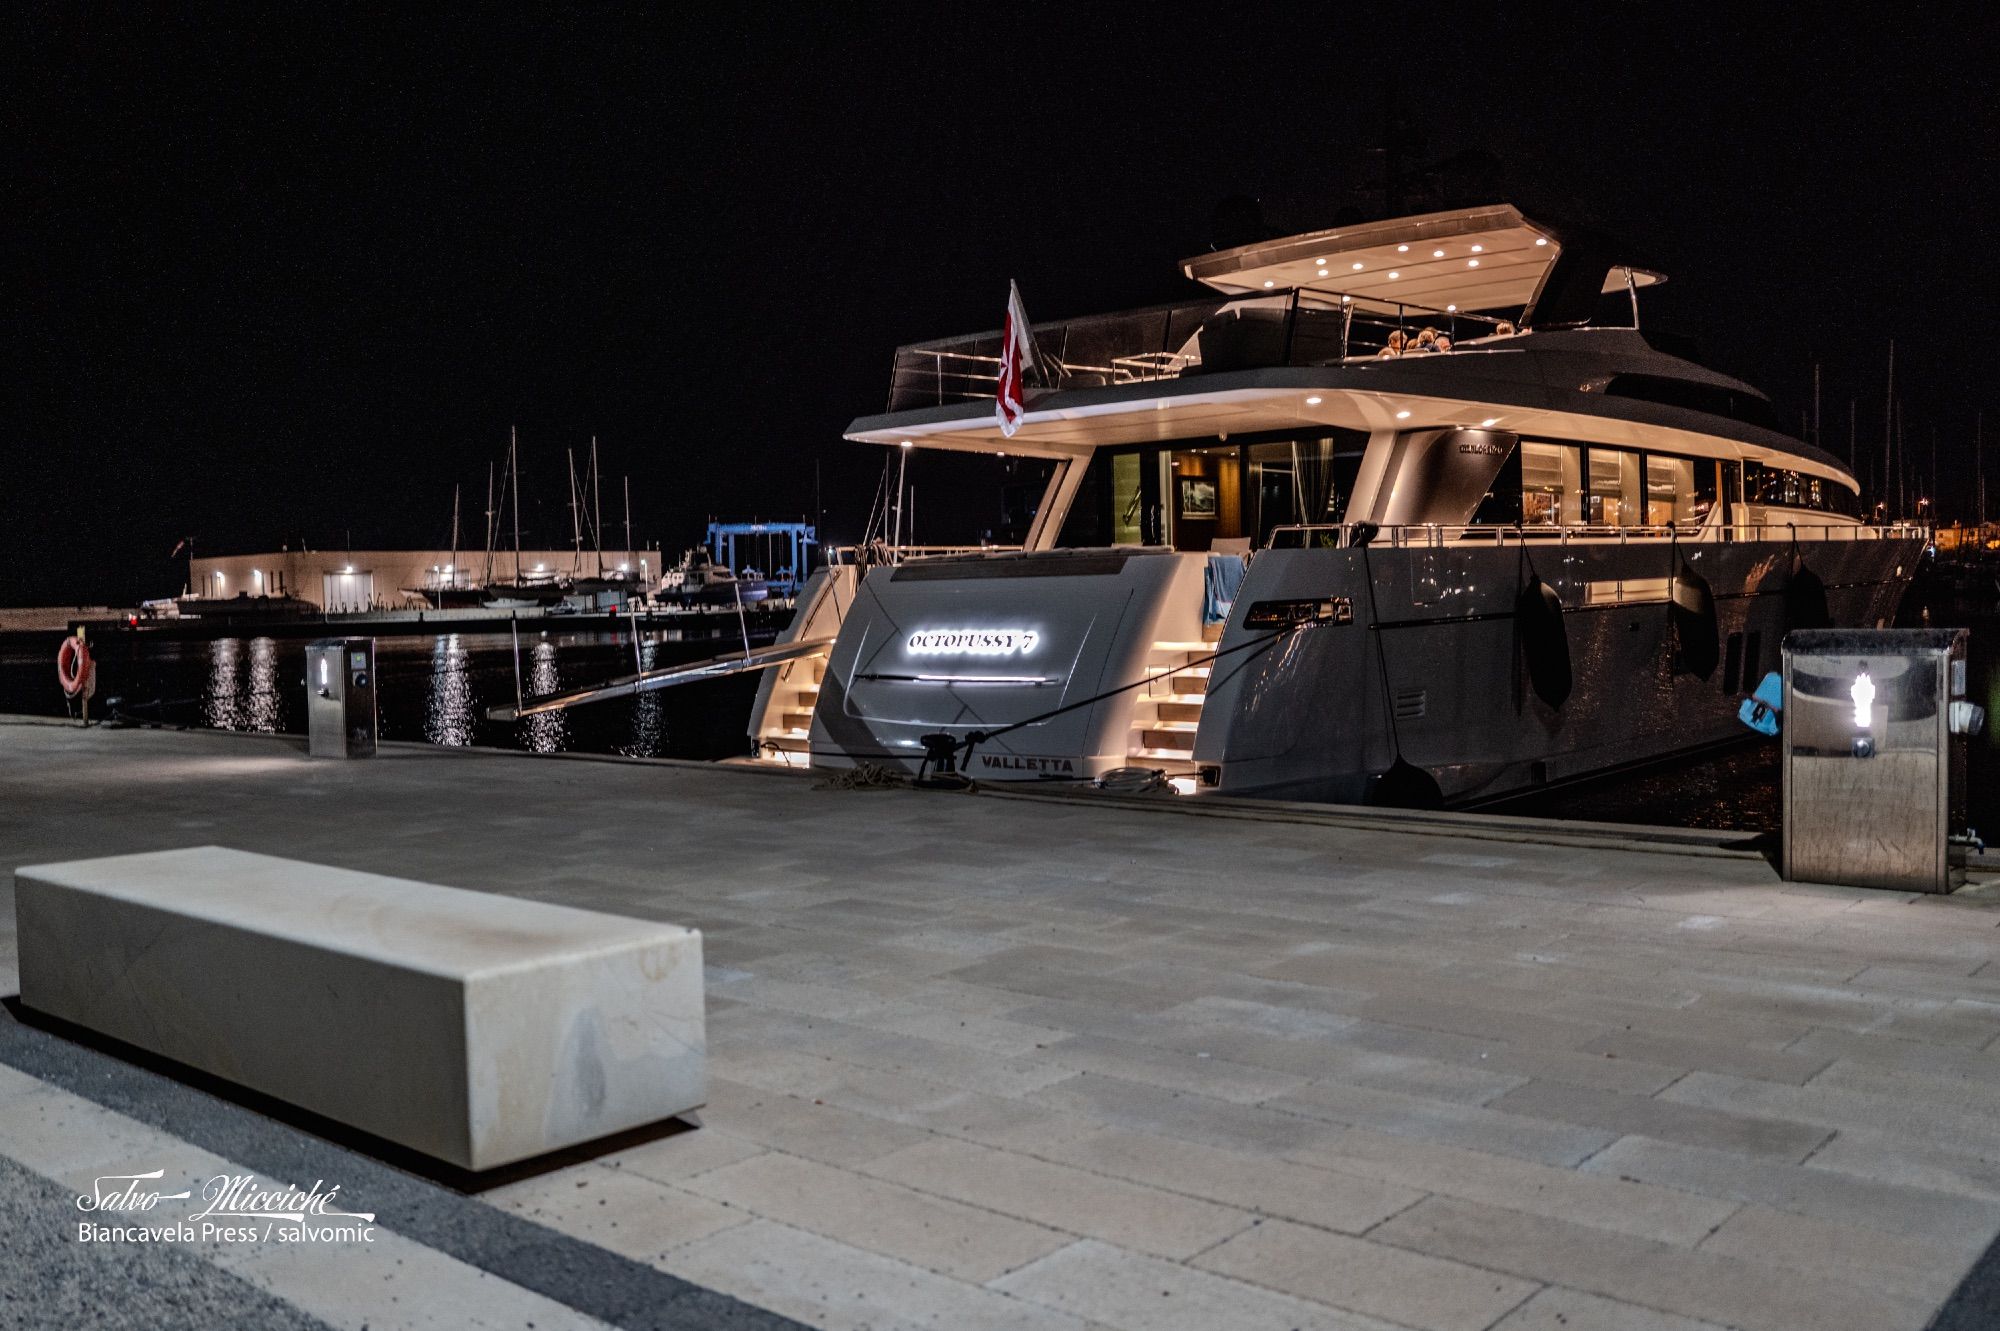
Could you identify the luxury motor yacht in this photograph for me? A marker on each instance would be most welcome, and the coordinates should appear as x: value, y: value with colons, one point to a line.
x: 1408, y: 512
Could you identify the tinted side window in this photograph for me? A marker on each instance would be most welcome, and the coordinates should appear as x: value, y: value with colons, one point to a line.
x: 1784, y: 488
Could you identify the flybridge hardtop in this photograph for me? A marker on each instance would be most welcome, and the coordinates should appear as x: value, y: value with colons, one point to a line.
x: 1296, y: 332
x: 1489, y: 258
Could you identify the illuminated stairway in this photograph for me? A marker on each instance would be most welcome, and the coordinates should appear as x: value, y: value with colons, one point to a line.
x: 797, y: 694
x: 1167, y: 711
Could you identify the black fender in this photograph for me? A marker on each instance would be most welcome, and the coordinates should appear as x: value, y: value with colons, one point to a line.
x: 1691, y: 606
x: 1538, y: 621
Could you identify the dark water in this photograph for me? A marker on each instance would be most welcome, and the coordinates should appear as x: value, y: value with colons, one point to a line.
x: 434, y: 688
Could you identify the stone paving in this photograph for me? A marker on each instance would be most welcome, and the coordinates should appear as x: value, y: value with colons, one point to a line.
x: 1007, y: 1063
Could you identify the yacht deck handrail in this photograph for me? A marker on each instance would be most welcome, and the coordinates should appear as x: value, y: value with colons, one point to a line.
x: 878, y: 552
x: 1340, y: 535
x: 1309, y: 325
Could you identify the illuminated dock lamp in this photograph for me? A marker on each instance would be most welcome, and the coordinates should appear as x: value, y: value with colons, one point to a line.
x: 1863, y: 693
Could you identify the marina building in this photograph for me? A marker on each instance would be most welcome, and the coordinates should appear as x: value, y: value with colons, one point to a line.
x: 343, y: 581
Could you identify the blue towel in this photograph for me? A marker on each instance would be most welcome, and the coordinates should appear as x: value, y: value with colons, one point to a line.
x: 1762, y: 710
x: 1223, y: 579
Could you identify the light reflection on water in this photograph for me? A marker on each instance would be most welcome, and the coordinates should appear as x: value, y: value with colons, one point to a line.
x: 649, y: 723
x: 448, y: 714
x: 242, y: 691
x: 221, y: 703
x: 546, y: 732
x: 264, y: 705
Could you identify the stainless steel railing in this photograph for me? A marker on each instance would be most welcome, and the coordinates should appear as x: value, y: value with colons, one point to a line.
x: 1309, y: 325
x: 880, y: 552
x: 1432, y: 536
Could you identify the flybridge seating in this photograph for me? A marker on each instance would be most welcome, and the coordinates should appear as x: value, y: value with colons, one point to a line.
x: 1300, y: 326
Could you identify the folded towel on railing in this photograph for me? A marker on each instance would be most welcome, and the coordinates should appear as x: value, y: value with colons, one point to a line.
x: 1222, y: 579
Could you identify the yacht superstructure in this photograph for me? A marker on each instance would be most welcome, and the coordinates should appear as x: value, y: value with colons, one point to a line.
x: 1276, y: 557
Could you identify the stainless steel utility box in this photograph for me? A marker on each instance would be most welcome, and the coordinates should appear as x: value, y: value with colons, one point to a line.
x: 1874, y: 775
x: 340, y: 698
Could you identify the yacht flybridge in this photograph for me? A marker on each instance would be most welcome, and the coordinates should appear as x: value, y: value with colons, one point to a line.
x: 1406, y: 511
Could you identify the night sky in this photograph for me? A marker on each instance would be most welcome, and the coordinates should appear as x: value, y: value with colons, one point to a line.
x: 281, y: 279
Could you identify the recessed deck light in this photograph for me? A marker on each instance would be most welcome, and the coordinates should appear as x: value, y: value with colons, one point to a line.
x: 1312, y: 402
x: 1479, y: 249
x: 1268, y: 283
x: 1394, y: 276
x: 1489, y: 422
x: 1451, y: 309
x: 1437, y: 254
x: 1541, y: 240
x: 1402, y: 249
x: 1357, y: 267
x: 1402, y: 415
x: 1472, y: 263
x: 908, y: 444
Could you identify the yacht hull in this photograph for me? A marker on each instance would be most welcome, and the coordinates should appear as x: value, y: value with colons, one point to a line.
x: 1433, y: 671
x: 1077, y: 657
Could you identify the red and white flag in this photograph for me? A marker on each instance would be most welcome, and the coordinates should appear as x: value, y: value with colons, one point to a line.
x: 1017, y: 353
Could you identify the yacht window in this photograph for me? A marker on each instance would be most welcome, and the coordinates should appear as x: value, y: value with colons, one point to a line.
x: 1190, y: 496
x: 1088, y: 522
x: 1301, y: 482
x: 1127, y: 501
x: 1614, y: 497
x: 1501, y: 506
x: 1707, y: 485
x: 1783, y: 488
x: 1551, y: 484
x: 1204, y: 496
x: 1669, y: 491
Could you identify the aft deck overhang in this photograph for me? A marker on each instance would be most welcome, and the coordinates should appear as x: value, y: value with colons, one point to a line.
x: 1372, y: 396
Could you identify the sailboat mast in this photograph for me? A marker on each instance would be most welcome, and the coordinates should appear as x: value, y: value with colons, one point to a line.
x: 1819, y: 441
x: 488, y: 577
x: 1889, y: 424
x: 514, y: 465
x: 628, y: 523
x: 452, y: 572
x: 1979, y: 462
x: 596, y: 506
x: 575, y: 516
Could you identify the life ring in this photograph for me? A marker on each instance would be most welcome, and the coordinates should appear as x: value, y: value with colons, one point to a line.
x: 74, y: 668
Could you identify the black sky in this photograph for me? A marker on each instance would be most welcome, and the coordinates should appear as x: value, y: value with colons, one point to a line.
x: 282, y: 279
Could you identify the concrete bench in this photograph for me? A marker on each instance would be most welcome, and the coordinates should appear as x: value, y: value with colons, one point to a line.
x: 475, y: 1028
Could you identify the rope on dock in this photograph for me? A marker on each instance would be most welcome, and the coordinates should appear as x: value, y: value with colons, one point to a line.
x: 864, y: 776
